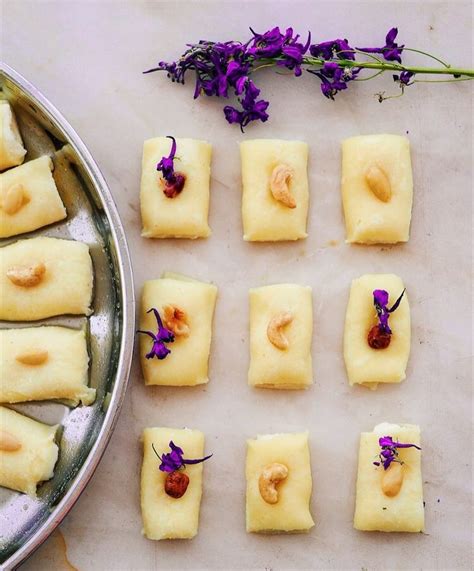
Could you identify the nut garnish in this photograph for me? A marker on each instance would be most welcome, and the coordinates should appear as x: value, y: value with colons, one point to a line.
x: 274, y: 330
x: 34, y: 357
x: 174, y: 319
x: 9, y: 442
x: 15, y: 198
x: 26, y: 276
x: 279, y: 185
x: 378, y: 183
x: 270, y: 477
x: 176, y: 484
x: 392, y: 479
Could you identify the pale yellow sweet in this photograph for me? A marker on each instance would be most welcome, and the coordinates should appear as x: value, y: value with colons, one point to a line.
x: 374, y: 511
x: 41, y: 205
x: 367, y: 366
x: 165, y: 517
x: 368, y: 219
x: 264, y: 218
x: 275, y: 368
x: 185, y: 215
x: 65, y: 288
x: 187, y: 364
x: 34, y: 461
x: 12, y: 152
x: 291, y: 513
x: 62, y: 374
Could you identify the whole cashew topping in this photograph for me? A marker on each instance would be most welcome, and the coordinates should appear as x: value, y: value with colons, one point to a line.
x: 270, y: 477
x: 378, y: 183
x: 26, y: 276
x: 9, y: 442
x: 15, y: 199
x: 174, y: 319
x: 279, y: 185
x: 33, y: 357
x: 392, y: 479
x: 274, y: 330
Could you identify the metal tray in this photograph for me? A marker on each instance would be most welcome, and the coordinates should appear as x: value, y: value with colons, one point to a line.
x: 26, y: 522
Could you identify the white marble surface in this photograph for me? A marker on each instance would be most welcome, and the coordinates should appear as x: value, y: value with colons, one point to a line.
x: 87, y: 57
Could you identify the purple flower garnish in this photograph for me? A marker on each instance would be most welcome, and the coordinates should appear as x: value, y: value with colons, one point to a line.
x: 162, y: 336
x: 391, y: 51
x: 174, y: 181
x: 389, y: 452
x: 383, y: 312
x: 174, y: 460
x: 225, y: 69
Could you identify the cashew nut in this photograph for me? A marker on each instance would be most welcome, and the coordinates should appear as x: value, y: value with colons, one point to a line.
x: 9, y: 442
x: 14, y: 199
x: 270, y: 477
x: 392, y: 479
x: 378, y: 183
x: 26, y: 276
x: 174, y: 319
x: 274, y: 330
x: 34, y: 357
x: 279, y: 182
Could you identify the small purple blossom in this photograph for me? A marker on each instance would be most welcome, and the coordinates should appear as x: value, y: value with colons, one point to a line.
x: 252, y: 109
x: 389, y: 451
x: 383, y: 312
x: 162, y: 336
x: 334, y: 48
x: 391, y: 51
x: 174, y: 460
x: 166, y: 165
x: 404, y: 78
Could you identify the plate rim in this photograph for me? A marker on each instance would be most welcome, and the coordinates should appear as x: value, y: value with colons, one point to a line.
x: 124, y: 361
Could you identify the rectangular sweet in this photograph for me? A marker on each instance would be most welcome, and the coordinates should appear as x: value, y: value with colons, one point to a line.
x: 367, y: 366
x: 28, y: 452
x: 187, y: 364
x: 377, y: 189
x: 291, y: 511
x: 42, y: 277
x: 29, y: 198
x: 275, y: 189
x: 273, y: 366
x: 376, y: 511
x: 165, y: 517
x: 12, y: 152
x: 42, y: 363
x: 185, y: 215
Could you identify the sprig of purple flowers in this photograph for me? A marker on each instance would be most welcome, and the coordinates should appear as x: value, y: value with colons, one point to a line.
x: 389, y: 452
x: 162, y: 336
x: 223, y: 69
x: 383, y: 311
x: 174, y: 460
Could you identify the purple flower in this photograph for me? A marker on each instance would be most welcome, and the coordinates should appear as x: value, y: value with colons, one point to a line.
x: 274, y: 44
x: 162, y: 336
x: 391, y: 50
x: 389, y: 452
x: 334, y: 48
x: 404, y: 78
x: 252, y: 109
x: 383, y: 312
x: 166, y: 165
x: 174, y: 460
x: 334, y: 78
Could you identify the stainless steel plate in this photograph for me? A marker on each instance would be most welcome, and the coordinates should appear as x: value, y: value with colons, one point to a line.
x: 92, y: 218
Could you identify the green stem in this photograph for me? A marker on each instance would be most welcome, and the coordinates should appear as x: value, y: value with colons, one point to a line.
x: 380, y: 65
x: 389, y: 66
